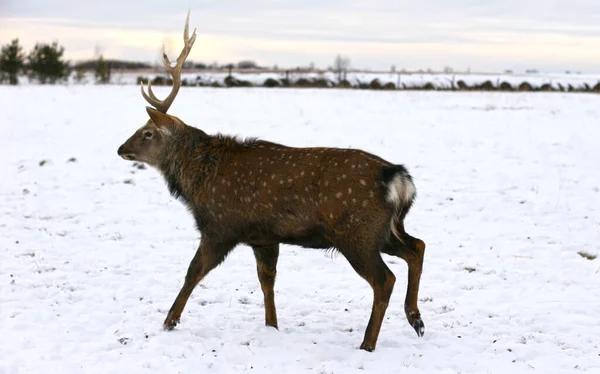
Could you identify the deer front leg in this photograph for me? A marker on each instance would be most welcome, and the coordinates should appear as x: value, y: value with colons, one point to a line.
x: 266, y: 266
x: 207, y: 257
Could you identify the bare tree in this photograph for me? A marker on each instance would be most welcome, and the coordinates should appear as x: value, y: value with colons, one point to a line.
x: 98, y: 51
x: 340, y: 66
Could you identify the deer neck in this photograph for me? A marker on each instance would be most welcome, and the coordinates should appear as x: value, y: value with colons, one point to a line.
x: 186, y: 163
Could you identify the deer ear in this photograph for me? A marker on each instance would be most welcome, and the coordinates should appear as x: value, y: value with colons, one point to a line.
x: 159, y: 118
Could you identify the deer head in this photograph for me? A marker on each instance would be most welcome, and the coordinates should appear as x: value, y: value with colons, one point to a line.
x: 148, y: 143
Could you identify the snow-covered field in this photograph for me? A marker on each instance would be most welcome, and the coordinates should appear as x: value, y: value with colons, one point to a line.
x: 94, y: 250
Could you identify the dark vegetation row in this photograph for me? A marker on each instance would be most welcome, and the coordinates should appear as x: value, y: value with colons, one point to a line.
x: 375, y: 84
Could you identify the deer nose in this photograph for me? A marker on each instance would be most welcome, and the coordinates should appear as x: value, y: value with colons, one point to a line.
x: 120, y: 150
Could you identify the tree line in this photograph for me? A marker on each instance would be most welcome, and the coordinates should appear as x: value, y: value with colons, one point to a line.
x: 44, y: 64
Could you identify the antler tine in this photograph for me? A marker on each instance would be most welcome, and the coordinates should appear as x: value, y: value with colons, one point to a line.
x: 166, y: 61
x: 186, y: 32
x: 151, y: 93
x: 186, y: 29
x: 151, y: 99
x: 187, y: 47
x: 175, y: 71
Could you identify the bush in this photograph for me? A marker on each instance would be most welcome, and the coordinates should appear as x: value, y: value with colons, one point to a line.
x: 230, y: 81
x: 46, y: 64
x: 159, y: 80
x: 505, y: 86
x: 302, y: 82
x: 525, y: 86
x: 586, y: 87
x: 285, y: 82
x: 321, y: 83
x: 141, y: 80
x: 596, y: 88
x: 389, y: 86
x: 486, y: 86
x: 547, y: 87
x: 462, y: 85
x: 375, y: 84
x: 361, y: 85
x: 12, y: 61
x: 344, y: 84
x: 270, y: 82
x: 429, y: 86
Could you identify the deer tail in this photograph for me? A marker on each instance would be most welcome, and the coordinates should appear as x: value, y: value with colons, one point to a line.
x: 400, y: 192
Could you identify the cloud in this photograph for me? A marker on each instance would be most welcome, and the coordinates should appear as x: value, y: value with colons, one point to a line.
x: 557, y: 34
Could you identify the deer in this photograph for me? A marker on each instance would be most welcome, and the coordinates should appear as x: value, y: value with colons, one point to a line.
x: 262, y: 194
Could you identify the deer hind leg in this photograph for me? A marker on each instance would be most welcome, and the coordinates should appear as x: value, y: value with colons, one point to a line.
x: 208, y: 256
x: 371, y: 267
x: 415, y: 268
x: 411, y: 250
x: 266, y: 267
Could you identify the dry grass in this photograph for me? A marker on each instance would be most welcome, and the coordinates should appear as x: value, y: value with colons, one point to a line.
x: 587, y: 255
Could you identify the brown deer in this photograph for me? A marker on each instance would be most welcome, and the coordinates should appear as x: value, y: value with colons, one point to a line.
x: 261, y: 194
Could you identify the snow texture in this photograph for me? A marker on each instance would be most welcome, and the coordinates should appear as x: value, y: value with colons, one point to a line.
x: 93, y: 249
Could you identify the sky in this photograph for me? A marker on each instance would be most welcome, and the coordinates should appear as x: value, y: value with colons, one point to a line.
x: 480, y: 35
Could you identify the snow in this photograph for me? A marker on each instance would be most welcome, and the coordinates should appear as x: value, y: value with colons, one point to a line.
x: 94, y: 250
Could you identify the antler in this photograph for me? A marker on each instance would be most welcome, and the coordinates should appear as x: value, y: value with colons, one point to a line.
x: 175, y: 71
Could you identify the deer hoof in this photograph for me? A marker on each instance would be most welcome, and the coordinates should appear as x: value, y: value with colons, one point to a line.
x: 419, y: 327
x: 170, y: 324
x: 367, y: 347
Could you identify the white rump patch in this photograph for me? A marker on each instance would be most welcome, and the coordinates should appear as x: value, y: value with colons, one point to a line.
x: 401, y: 190
x: 401, y: 193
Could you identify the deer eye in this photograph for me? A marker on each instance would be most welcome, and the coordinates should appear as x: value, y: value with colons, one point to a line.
x: 148, y: 134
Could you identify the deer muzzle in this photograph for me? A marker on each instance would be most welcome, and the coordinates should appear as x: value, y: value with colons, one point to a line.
x: 125, y: 154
